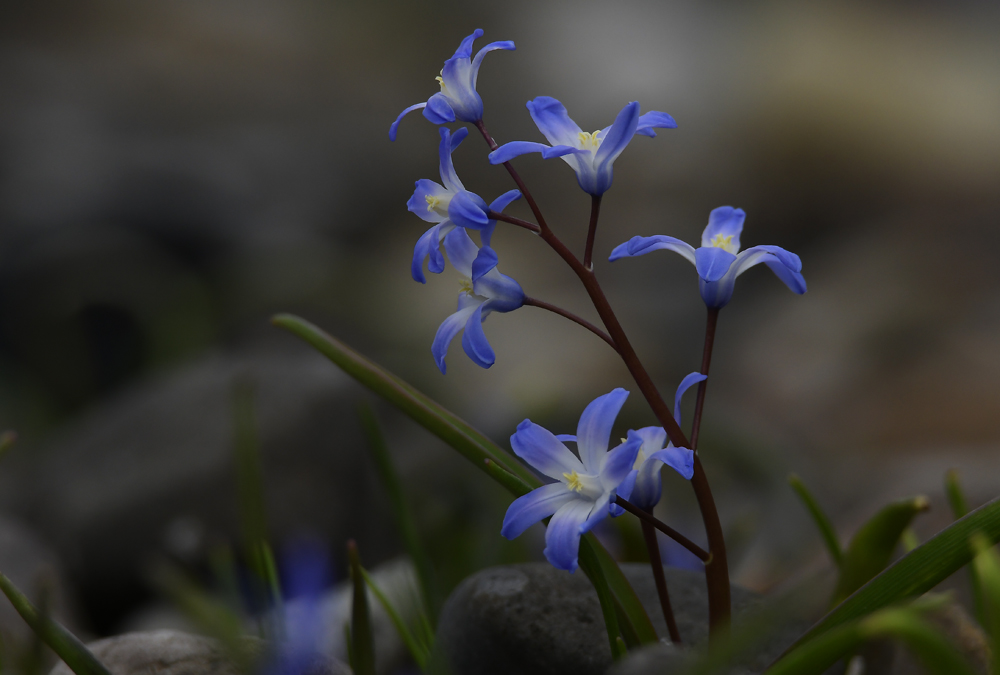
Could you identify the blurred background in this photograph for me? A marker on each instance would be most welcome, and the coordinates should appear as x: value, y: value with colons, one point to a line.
x: 172, y: 174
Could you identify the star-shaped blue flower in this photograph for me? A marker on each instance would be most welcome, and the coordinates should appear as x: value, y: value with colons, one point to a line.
x: 484, y: 290
x: 458, y: 98
x: 449, y: 206
x: 592, y: 155
x: 584, y: 486
x: 719, y: 259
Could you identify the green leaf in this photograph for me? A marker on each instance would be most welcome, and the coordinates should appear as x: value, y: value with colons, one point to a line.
x: 401, y: 512
x: 592, y: 568
x: 872, y: 546
x: 468, y: 441
x: 823, y: 523
x: 66, y: 645
x: 960, y: 507
x: 417, y: 650
x: 938, y: 656
x: 916, y: 572
x: 362, y: 639
x: 987, y: 567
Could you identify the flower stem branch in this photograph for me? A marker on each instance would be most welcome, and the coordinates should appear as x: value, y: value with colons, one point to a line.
x: 706, y: 361
x: 572, y: 317
x: 717, y: 569
x: 595, y: 211
x: 493, y: 215
x: 649, y: 534
x: 646, y: 517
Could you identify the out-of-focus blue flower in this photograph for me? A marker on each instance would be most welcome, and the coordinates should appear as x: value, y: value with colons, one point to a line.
x: 592, y: 155
x: 449, y: 206
x: 484, y: 290
x: 458, y: 98
x: 585, y: 486
x: 644, y: 484
x: 719, y: 259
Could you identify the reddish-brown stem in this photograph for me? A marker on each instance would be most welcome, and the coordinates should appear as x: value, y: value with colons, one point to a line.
x: 706, y: 361
x: 649, y: 534
x: 717, y: 569
x: 494, y: 215
x: 534, y: 302
x: 595, y: 211
x: 647, y: 517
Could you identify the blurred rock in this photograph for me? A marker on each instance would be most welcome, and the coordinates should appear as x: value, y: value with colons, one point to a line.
x: 31, y: 564
x: 151, y: 472
x: 533, y: 618
x: 168, y: 652
x: 661, y: 658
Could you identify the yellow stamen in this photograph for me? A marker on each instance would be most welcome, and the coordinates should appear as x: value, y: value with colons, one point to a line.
x: 432, y: 202
x: 440, y: 80
x: 590, y: 139
x: 718, y: 241
x: 465, y: 285
x: 573, y: 481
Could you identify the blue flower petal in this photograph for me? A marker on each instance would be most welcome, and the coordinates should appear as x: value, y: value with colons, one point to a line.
x: 509, y: 151
x: 795, y: 281
x: 504, y: 293
x: 395, y: 125
x: 537, y: 446
x: 553, y: 121
x: 478, y: 61
x: 448, y: 144
x: 566, y: 437
x: 717, y: 294
x: 712, y: 262
x: 648, y: 485
x: 438, y: 110
x: 594, y: 429
x: 786, y: 258
x: 625, y: 491
x: 529, y: 509
x: 464, y: 50
x: 680, y: 460
x: 654, y: 120
x: 616, y: 139
x: 485, y: 260
x: 618, y: 463
x: 689, y: 381
x: 637, y: 246
x: 467, y: 209
x: 447, y: 331
x: 461, y: 250
x: 418, y: 202
x: 598, y: 512
x: 724, y: 221
x: 562, y: 537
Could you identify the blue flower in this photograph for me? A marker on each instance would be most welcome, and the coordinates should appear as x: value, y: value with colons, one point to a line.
x: 484, y: 290
x: 719, y: 259
x: 644, y: 485
x: 458, y: 98
x: 585, y: 486
x: 449, y: 206
x: 592, y: 155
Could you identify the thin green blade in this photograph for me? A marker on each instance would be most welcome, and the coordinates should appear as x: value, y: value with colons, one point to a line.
x: 917, y: 572
x: 823, y: 523
x: 987, y: 566
x: 872, y: 546
x: 401, y: 511
x: 362, y: 639
x: 960, y: 507
x: 418, y: 651
x: 66, y: 645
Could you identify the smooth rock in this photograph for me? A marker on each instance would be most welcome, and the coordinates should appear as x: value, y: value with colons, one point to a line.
x: 533, y: 618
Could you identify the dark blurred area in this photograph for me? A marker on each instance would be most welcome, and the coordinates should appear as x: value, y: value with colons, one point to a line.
x: 172, y: 174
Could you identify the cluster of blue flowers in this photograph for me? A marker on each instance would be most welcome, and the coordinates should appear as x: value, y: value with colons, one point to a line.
x: 586, y: 484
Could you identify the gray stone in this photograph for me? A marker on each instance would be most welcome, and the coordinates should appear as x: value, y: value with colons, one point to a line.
x: 533, y: 618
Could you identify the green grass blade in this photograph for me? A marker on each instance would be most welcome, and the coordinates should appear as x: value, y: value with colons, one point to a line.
x: 401, y: 512
x: 469, y: 442
x: 66, y: 645
x: 447, y: 426
x: 872, y: 546
x: 960, y: 507
x: 592, y: 568
x: 987, y: 566
x: 416, y: 649
x: 362, y: 639
x: 917, y: 572
x: 823, y: 523
x: 937, y: 655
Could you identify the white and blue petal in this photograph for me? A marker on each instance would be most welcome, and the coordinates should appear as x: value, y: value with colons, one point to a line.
x: 654, y: 119
x: 680, y: 460
x: 616, y: 140
x: 529, y: 509
x: 394, y: 127
x: 562, y: 537
x: 689, y: 381
x: 503, y: 293
x: 794, y: 280
x: 450, y: 327
x: 439, y: 110
x: 553, y: 121
x: 467, y: 209
x: 618, y: 463
x: 594, y: 430
x: 712, y: 262
x: 726, y: 223
x: 427, y: 201
x: 461, y: 250
x: 474, y: 341
x: 625, y: 490
x: 449, y: 142
x: 429, y: 246
x: 539, y: 447
x: 497, y: 206
x: 478, y: 61
x: 637, y: 246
